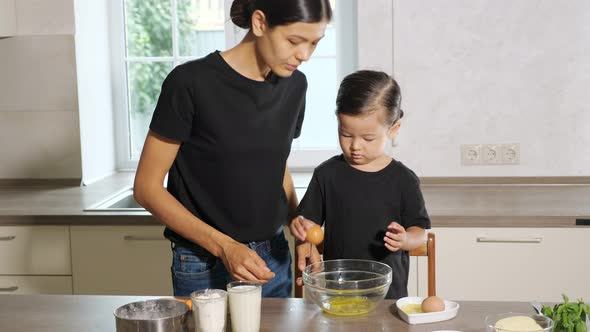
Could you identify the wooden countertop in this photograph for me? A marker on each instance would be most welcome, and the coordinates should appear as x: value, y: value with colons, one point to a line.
x: 69, y: 313
x: 450, y: 203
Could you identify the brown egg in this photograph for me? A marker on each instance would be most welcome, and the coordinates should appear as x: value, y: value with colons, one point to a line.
x: 315, y: 235
x: 432, y: 304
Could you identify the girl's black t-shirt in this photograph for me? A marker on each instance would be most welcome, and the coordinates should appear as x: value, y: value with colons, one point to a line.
x: 235, y: 135
x: 356, y: 207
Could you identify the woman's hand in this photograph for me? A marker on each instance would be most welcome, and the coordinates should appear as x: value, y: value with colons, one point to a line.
x: 243, y: 263
x: 308, y: 254
x: 395, y: 237
x: 299, y: 227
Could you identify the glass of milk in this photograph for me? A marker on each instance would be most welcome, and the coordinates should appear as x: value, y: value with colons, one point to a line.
x: 209, y: 310
x: 244, y: 305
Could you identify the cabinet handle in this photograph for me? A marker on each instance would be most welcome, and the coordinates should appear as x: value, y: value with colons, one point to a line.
x: 9, y: 289
x: 483, y: 239
x: 7, y: 238
x: 143, y: 238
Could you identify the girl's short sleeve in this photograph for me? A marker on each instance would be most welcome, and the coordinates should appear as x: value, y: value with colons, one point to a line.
x: 173, y: 116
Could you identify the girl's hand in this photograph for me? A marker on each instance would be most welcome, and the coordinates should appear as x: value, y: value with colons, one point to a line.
x: 395, y: 237
x: 243, y: 263
x: 299, y: 227
x: 308, y: 254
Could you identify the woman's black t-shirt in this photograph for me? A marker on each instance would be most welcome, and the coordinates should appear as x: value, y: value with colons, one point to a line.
x: 235, y: 135
x: 356, y: 207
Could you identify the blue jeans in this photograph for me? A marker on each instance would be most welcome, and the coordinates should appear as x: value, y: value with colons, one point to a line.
x: 194, y: 268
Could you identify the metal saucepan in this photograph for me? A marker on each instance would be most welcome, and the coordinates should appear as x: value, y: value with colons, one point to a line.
x: 160, y: 315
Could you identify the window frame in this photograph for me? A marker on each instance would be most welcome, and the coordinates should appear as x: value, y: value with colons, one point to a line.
x: 299, y: 159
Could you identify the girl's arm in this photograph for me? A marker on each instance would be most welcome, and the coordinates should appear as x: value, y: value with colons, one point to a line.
x: 148, y: 190
x: 397, y: 237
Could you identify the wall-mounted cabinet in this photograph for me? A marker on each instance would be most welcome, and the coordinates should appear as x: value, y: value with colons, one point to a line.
x: 7, y: 18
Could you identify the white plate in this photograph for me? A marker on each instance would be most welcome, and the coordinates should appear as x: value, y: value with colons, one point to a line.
x: 451, y: 309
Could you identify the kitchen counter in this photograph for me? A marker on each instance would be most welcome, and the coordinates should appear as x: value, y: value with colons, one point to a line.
x: 57, y: 203
x: 69, y: 313
x: 533, y: 202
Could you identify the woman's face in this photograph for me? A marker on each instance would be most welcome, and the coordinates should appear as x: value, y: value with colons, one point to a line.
x: 363, y: 137
x: 284, y: 47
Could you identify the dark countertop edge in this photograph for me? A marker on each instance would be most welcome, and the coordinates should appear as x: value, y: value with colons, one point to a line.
x: 425, y: 180
x: 506, y: 221
x: 109, y: 219
x: 122, y: 219
x: 40, y: 182
x: 506, y: 180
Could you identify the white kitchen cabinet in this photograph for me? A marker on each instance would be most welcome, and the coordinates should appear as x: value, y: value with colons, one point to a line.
x: 124, y: 260
x: 35, y: 250
x: 7, y: 18
x: 35, y: 260
x: 512, y: 264
x: 35, y: 285
x: 414, y: 286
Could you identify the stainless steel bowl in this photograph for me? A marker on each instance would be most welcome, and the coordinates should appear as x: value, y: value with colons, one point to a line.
x: 160, y: 315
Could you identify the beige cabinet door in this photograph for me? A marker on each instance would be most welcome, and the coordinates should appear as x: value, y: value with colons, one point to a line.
x: 35, y: 285
x: 125, y: 260
x: 35, y: 250
x: 512, y: 264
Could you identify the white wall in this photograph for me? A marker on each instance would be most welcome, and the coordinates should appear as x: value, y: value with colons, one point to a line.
x: 483, y: 71
x: 374, y: 29
x: 39, y: 130
x: 43, y: 17
x: 7, y: 18
x: 471, y: 71
x: 94, y: 89
x: 55, y: 99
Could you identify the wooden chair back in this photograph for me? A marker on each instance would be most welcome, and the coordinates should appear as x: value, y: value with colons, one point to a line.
x: 428, y: 249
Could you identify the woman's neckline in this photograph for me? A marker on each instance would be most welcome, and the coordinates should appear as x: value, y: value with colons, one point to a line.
x: 270, y: 78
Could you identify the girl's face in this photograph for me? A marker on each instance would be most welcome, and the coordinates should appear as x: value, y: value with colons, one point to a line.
x: 284, y: 47
x: 363, y: 138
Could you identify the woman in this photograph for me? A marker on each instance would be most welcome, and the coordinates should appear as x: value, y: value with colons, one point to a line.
x: 222, y: 129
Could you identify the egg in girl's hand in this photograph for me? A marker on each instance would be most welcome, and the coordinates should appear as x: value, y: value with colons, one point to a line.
x: 315, y: 235
x: 433, y: 304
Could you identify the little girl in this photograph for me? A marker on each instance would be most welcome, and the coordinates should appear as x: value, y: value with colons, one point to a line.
x: 370, y: 205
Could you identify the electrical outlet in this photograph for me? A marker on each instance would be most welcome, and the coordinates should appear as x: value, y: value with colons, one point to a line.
x: 470, y: 154
x: 491, y: 154
x: 511, y: 154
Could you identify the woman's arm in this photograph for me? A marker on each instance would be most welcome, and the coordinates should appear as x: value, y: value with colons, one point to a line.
x: 289, y: 188
x: 156, y: 159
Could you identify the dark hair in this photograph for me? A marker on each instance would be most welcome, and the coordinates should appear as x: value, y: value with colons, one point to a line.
x: 366, y: 91
x: 280, y: 12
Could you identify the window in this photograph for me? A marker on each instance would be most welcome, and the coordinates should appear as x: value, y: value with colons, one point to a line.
x: 157, y: 35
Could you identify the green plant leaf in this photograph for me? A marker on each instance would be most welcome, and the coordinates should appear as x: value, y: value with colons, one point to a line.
x: 581, y: 326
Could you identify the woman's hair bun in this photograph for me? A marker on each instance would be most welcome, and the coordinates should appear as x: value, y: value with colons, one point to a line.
x: 241, y: 13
